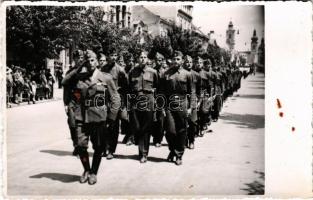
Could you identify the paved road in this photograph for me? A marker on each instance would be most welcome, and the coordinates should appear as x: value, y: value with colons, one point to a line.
x: 228, y: 161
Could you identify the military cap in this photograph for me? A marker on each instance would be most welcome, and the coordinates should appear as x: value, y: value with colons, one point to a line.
x: 77, y: 53
x: 128, y: 56
x: 144, y: 52
x: 198, y: 58
x: 113, y: 51
x: 208, y: 61
x: 91, y: 54
x: 159, y: 56
x: 178, y: 53
x: 187, y: 57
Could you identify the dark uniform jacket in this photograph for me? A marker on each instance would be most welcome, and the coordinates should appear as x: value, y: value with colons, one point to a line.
x: 96, y: 95
x: 176, y: 84
x: 143, y: 81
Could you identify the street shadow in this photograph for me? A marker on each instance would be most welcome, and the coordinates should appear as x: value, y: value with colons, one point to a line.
x: 257, y: 186
x: 61, y: 153
x: 64, y: 178
x: 244, y: 121
x: 252, y: 96
x: 136, y: 157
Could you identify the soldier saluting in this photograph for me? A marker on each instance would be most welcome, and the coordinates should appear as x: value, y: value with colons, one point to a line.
x: 179, y: 92
x: 99, y: 103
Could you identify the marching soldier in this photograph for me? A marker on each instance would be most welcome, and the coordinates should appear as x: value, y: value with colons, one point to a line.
x: 98, y: 105
x: 143, y: 83
x: 158, y: 128
x: 125, y: 127
x: 192, y: 120
x: 204, y: 114
x: 69, y: 99
x: 218, y: 93
x: 180, y: 96
x: 120, y: 80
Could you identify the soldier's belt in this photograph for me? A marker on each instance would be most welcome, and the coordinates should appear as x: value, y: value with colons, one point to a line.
x: 143, y: 92
x: 92, y: 103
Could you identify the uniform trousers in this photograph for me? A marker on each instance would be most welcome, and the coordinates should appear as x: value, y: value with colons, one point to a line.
x: 96, y: 132
x: 176, y: 131
x: 141, y: 122
x: 158, y: 127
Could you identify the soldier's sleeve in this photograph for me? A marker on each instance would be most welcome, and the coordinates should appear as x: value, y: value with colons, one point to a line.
x: 69, y: 77
x: 115, y: 100
x: 156, y: 82
x: 191, y: 91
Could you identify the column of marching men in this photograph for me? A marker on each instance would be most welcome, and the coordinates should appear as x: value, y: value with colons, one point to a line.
x: 175, y: 99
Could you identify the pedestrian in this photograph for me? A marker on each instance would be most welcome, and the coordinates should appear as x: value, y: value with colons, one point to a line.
x: 59, y: 75
x: 120, y: 80
x: 70, y: 101
x: 143, y: 84
x: 158, y: 124
x: 178, y: 90
x: 99, y: 102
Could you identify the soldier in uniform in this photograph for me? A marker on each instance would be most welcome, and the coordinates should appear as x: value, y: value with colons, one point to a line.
x: 204, y: 105
x: 98, y: 105
x: 120, y: 80
x: 177, y: 87
x: 69, y: 99
x: 125, y: 127
x: 218, y: 92
x: 143, y: 83
x: 192, y: 120
x: 158, y: 125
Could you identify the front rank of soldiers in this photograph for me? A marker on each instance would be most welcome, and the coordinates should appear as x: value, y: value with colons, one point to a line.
x: 177, y: 98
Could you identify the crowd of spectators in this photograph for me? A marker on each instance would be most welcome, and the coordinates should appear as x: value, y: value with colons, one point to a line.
x: 28, y: 85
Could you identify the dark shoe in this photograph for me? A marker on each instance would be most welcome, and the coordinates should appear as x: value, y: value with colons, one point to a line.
x: 143, y: 159
x: 110, y: 156
x: 75, y: 152
x: 129, y: 142
x: 104, y: 154
x: 92, y: 179
x: 84, y: 177
x: 170, y: 157
x: 157, y: 145
x: 191, y: 146
x: 178, y: 161
x: 200, y: 134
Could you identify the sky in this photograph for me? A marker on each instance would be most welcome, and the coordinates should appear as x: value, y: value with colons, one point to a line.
x: 216, y: 17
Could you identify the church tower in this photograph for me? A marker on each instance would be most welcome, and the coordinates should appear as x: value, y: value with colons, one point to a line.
x: 254, y: 47
x: 230, y: 36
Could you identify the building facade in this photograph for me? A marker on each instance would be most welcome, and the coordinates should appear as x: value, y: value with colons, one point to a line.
x: 181, y: 15
x: 156, y: 25
x: 254, y: 48
x: 118, y: 14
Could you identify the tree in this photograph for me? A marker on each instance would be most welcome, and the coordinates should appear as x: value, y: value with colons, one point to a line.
x: 38, y: 32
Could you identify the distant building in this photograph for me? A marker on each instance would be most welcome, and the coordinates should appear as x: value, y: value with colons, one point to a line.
x: 120, y: 15
x: 180, y: 15
x: 254, y: 48
x: 230, y: 36
x: 156, y: 25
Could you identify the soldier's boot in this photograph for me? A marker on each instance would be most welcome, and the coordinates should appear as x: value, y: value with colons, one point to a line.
x: 171, y: 157
x: 96, y: 160
x: 84, y: 177
x: 84, y: 158
x: 143, y: 159
x: 179, y: 161
x: 92, y: 179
